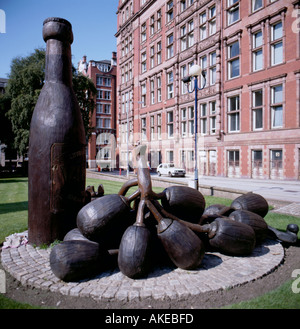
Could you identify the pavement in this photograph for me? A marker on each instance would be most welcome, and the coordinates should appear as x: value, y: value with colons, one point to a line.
x: 284, y: 194
x: 30, y: 265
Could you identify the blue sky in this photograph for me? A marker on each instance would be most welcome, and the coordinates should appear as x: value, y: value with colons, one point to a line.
x: 94, y: 25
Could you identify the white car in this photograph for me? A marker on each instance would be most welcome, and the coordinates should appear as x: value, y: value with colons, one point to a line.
x: 170, y: 170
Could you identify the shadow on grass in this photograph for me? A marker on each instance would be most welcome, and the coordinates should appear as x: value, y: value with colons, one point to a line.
x: 13, y: 207
x: 13, y: 180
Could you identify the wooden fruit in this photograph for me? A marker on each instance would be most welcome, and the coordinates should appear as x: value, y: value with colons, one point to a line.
x: 290, y: 236
x: 133, y: 258
x: 182, y: 245
x: 252, y: 202
x: 214, y: 211
x: 231, y: 237
x: 184, y: 202
x: 77, y: 259
x: 98, y: 219
x: 75, y: 234
x: 258, y: 224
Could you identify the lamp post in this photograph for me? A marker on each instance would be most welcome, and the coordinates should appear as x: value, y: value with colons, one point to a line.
x: 195, y: 72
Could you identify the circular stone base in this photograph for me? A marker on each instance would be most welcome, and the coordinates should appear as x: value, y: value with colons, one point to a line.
x: 31, y: 267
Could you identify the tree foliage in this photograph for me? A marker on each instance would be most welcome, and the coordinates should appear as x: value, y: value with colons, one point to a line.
x: 25, y: 82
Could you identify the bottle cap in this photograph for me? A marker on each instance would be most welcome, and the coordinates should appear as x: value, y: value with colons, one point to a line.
x: 57, y: 28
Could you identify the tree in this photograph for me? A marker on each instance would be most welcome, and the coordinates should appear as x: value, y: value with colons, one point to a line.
x: 85, y: 91
x: 25, y: 82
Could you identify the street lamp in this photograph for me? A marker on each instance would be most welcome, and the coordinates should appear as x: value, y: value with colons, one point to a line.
x: 195, y: 72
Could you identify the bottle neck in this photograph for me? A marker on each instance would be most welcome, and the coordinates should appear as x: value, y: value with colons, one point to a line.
x: 58, y: 66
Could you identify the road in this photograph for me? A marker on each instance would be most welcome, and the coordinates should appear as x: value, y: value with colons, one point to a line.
x: 288, y: 191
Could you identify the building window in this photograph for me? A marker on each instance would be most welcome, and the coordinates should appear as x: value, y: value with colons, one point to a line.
x: 170, y: 11
x: 190, y: 33
x: 143, y: 32
x: 203, y: 27
x: 144, y: 62
x: 208, y: 26
x: 187, y: 121
x: 152, y: 128
x: 212, y: 68
x: 257, y: 51
x: 234, y: 158
x: 152, y: 52
x: 233, y: 11
x: 234, y: 60
x: 183, y: 122
x: 152, y: 25
x: 158, y: 22
x: 183, y: 5
x: 276, y: 159
x: 257, y: 109
x: 257, y: 158
x: 152, y: 98
x: 98, y: 123
x: 159, y: 126
x: 277, y: 106
x: 234, y: 113
x: 158, y: 81
x: 183, y: 38
x: 158, y: 57
x: 170, y: 88
x: 256, y: 4
x: 170, y: 156
x: 170, y: 124
x: 144, y: 128
x: 212, y: 20
x: 107, y: 123
x: 103, y: 81
x: 203, y: 65
x: 276, y: 44
x: 212, y: 119
x: 107, y: 108
x: 170, y: 46
x: 103, y: 94
x: 203, y: 118
x: 126, y: 101
x: 143, y: 95
x: 191, y: 120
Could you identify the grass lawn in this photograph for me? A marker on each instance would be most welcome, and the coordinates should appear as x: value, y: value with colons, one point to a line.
x: 14, y: 216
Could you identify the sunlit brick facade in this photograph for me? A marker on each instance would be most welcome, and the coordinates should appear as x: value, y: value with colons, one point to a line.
x: 249, y: 110
x: 101, y: 146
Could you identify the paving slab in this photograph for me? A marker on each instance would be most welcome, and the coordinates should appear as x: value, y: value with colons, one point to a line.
x: 217, y: 271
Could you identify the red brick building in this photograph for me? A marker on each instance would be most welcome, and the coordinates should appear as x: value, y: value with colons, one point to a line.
x: 101, y: 146
x: 249, y: 110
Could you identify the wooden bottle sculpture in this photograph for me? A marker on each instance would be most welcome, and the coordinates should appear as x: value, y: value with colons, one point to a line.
x: 57, y: 161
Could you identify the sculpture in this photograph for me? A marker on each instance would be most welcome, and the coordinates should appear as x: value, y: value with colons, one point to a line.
x: 113, y: 227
